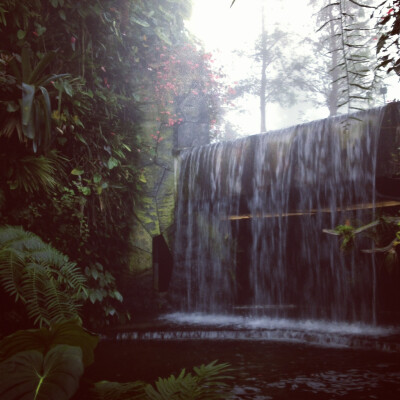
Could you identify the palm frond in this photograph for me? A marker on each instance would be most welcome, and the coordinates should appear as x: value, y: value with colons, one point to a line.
x: 12, y: 125
x: 32, y: 173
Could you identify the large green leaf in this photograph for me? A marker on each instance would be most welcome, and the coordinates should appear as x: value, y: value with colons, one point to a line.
x: 26, y: 63
x: 140, y: 21
x: 28, y: 94
x: 67, y: 332
x: 112, y: 163
x: 31, y: 375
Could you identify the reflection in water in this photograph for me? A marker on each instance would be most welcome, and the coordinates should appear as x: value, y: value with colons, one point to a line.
x: 262, y: 369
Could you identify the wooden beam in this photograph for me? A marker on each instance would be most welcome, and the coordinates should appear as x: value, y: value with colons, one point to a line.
x: 314, y: 211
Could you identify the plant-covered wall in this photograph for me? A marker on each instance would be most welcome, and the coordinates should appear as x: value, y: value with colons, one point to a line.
x: 90, y: 96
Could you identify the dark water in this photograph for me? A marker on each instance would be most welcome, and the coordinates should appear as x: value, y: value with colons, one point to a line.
x: 271, y: 358
x: 262, y: 369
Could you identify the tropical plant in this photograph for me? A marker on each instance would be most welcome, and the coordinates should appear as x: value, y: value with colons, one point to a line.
x: 106, y: 390
x: 103, y: 297
x: 28, y: 116
x: 117, y: 55
x: 34, y: 273
x: 208, y: 382
x: 384, y: 231
x: 46, y: 363
x: 30, y: 173
x: 54, y: 376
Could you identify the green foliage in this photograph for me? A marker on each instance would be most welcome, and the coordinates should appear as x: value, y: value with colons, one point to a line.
x: 105, y: 390
x: 30, y: 374
x: 103, y: 297
x: 45, y: 363
x: 385, y: 232
x: 75, y: 78
x: 40, y: 277
x: 29, y: 173
x: 208, y: 382
x: 346, y: 232
x: 33, y: 110
x: 66, y: 332
x: 48, y: 362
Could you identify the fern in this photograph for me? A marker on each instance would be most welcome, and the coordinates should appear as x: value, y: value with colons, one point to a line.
x: 42, y: 278
x: 11, y: 271
x: 105, y: 390
x: 209, y: 382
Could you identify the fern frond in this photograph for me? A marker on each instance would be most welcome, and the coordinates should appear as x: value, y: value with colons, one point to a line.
x: 17, y: 238
x: 43, y: 254
x: 208, y: 383
x: 11, y: 271
x: 105, y: 390
x: 60, y: 305
x: 70, y: 275
x: 40, y: 276
x: 10, y: 233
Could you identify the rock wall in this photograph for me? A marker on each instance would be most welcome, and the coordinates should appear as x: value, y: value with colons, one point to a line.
x: 153, y: 211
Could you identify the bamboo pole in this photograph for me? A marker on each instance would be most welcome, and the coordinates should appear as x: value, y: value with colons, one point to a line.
x: 364, y: 206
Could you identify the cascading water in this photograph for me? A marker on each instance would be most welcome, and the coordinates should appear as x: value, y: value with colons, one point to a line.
x: 250, y: 217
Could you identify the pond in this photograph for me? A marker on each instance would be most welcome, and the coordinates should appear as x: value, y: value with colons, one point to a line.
x: 272, y: 359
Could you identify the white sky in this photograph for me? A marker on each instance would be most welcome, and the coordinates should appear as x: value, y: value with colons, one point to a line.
x: 223, y: 29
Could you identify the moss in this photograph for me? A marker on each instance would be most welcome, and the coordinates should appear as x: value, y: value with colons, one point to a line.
x: 140, y: 237
x: 165, y: 147
x: 146, y: 212
x: 153, y: 176
x: 166, y: 201
x: 140, y: 260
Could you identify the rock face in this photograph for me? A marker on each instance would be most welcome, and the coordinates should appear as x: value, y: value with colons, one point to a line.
x: 194, y: 129
x: 154, y: 209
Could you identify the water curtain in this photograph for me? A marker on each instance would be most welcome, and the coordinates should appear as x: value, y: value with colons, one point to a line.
x: 250, y: 219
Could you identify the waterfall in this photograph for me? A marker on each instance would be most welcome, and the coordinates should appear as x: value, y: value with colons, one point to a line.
x: 250, y: 217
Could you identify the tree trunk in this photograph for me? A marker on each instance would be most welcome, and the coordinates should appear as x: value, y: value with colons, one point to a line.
x: 263, y: 87
x: 333, y: 96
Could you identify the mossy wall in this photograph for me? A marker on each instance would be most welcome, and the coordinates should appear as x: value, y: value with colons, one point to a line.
x: 154, y: 208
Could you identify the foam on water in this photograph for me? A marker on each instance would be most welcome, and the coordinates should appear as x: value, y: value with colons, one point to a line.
x: 267, y: 323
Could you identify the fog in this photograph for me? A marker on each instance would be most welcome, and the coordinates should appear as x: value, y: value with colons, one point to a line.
x: 230, y: 33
